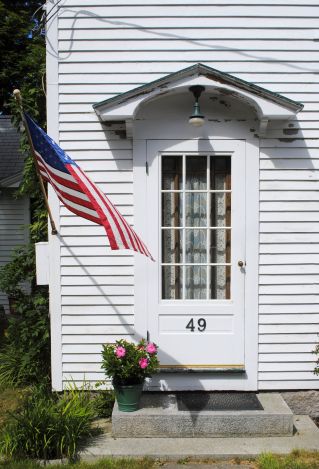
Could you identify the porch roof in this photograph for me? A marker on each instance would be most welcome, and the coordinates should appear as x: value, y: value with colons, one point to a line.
x: 269, y: 105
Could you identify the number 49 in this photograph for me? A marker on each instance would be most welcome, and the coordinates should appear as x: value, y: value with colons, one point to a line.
x: 201, y: 325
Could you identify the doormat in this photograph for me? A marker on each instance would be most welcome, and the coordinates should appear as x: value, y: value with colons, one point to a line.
x: 197, y: 401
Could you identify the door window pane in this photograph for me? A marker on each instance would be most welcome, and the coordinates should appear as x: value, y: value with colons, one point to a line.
x: 220, y: 173
x: 196, y: 209
x: 195, y: 282
x: 172, y: 246
x: 196, y: 246
x: 172, y: 283
x: 220, y: 246
x: 196, y: 172
x: 219, y: 282
x: 172, y: 209
x: 172, y: 172
x: 220, y: 209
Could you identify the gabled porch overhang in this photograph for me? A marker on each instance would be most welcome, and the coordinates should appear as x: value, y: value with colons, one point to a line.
x: 267, y: 104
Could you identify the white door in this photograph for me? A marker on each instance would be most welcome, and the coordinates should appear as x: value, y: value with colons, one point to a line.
x: 196, y: 232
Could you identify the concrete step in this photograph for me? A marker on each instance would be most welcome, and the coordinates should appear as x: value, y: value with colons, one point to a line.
x: 182, y: 415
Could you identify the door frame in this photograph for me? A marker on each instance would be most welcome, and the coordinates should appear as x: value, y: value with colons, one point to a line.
x: 224, y: 381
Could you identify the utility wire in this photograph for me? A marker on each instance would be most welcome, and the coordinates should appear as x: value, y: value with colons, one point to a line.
x: 39, y: 25
x: 36, y: 11
x: 48, y: 13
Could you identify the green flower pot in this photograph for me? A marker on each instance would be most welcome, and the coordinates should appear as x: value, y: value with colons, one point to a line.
x: 128, y: 396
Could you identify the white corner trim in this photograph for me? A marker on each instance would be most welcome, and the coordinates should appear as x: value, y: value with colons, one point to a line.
x: 252, y: 259
x: 140, y: 262
x: 54, y: 241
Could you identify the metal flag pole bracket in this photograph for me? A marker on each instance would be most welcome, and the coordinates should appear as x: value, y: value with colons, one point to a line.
x: 18, y: 98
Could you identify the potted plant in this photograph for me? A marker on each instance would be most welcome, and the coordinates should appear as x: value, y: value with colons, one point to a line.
x: 128, y: 364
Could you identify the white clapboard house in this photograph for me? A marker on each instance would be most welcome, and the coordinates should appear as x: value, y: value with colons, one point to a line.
x: 229, y: 209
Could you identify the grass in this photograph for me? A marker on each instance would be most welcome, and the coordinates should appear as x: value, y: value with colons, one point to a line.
x: 296, y: 460
x: 107, y: 463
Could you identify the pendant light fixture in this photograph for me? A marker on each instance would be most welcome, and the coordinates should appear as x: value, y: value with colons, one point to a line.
x: 197, y: 119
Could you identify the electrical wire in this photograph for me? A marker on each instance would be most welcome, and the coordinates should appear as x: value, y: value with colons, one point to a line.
x: 36, y: 11
x: 48, y: 13
x: 40, y: 24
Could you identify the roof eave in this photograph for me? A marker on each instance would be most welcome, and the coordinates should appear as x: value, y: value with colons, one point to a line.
x: 11, y: 181
x: 209, y: 72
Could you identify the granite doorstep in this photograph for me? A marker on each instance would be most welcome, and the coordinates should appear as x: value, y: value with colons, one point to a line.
x: 162, y: 419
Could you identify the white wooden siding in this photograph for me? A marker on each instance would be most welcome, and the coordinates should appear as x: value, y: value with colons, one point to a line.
x: 14, y: 216
x: 106, y: 48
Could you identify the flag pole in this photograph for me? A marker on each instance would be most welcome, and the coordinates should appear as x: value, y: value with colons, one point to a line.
x: 18, y: 98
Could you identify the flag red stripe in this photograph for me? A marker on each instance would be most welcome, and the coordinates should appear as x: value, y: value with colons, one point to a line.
x: 116, y: 231
x: 65, y: 182
x: 73, y: 198
x: 140, y: 245
x: 125, y: 230
x: 78, y: 211
x: 126, y: 226
x: 130, y: 230
x: 65, y: 197
x: 110, y: 209
x: 104, y: 220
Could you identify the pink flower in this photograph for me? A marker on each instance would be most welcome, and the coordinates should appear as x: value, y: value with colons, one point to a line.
x: 143, y: 362
x: 151, y: 348
x: 120, y: 352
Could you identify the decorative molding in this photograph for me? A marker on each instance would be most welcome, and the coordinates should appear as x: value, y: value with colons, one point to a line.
x: 268, y: 105
x: 263, y: 124
x: 129, y: 128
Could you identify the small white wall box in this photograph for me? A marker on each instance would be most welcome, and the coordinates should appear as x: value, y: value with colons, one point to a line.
x: 42, y: 263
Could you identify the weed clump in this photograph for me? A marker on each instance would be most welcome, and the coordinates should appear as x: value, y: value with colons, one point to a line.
x: 48, y: 426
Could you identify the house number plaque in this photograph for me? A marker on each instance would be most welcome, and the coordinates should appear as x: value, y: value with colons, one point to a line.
x: 199, y: 326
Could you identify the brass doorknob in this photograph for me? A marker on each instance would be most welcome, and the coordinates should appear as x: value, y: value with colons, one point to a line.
x: 240, y: 264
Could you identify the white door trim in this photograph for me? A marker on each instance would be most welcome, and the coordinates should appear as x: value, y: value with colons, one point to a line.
x: 246, y: 381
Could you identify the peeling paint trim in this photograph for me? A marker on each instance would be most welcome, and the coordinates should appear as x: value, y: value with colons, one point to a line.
x: 210, y: 73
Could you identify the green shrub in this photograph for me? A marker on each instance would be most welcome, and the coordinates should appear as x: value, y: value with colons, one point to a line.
x: 25, y: 355
x: 3, y: 323
x: 20, y: 269
x: 10, y: 367
x: 103, y: 403
x: 48, y: 426
x: 25, y: 349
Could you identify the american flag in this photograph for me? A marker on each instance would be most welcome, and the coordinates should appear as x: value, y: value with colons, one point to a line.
x: 79, y: 194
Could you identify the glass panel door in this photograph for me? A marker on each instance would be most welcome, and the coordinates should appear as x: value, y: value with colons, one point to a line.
x: 196, y: 229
